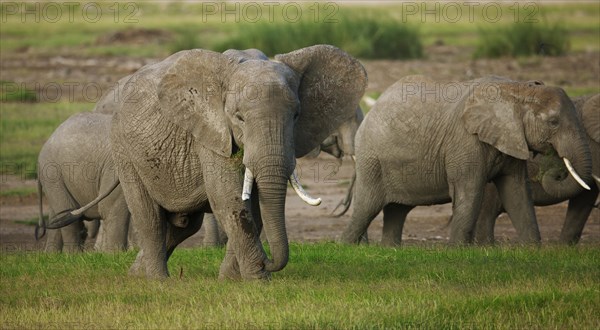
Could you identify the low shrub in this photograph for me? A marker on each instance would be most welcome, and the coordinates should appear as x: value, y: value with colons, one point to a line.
x: 364, y: 37
x: 523, y: 39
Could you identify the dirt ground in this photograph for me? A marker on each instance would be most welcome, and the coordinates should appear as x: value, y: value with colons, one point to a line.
x: 425, y: 224
x: 323, y: 177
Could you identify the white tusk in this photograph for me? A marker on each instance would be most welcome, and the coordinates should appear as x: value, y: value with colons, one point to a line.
x: 575, y: 175
x: 353, y: 158
x: 248, y: 181
x: 597, y: 180
x: 301, y: 192
x: 369, y: 101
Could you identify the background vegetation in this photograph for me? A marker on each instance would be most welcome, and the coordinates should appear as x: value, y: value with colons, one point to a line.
x: 325, y: 286
x: 390, y: 31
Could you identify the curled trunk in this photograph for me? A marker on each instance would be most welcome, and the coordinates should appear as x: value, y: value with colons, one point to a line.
x: 577, y: 151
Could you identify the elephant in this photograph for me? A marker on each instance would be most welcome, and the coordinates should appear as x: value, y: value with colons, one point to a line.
x: 203, y: 131
x: 339, y: 144
x: 426, y: 142
x: 550, y: 183
x: 74, y: 165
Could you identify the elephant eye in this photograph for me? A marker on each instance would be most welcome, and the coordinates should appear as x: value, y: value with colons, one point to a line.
x: 553, y: 122
x: 239, y: 117
x: 296, y: 116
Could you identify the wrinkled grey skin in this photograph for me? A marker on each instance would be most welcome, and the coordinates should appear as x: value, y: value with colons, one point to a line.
x: 176, y: 140
x: 74, y: 165
x: 338, y: 144
x: 554, y: 185
x: 443, y: 148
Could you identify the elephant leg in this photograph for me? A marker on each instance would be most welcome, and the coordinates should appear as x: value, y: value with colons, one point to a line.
x: 515, y: 194
x: 176, y: 235
x: 368, y: 203
x: 491, y: 208
x: 150, y: 223
x: 578, y: 213
x: 466, y: 205
x: 394, y: 216
x: 99, y: 245
x: 245, y: 256
x: 54, y: 241
x: 73, y: 237
x: 211, y: 231
x: 92, y: 228
x: 115, y: 215
x: 132, y: 236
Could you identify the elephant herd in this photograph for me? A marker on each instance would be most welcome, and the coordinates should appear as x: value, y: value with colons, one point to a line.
x: 213, y: 138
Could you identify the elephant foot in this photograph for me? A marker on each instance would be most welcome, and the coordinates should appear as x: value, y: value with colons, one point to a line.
x: 229, y: 271
x: 140, y: 268
x: 137, y: 268
x: 72, y: 248
x: 390, y: 242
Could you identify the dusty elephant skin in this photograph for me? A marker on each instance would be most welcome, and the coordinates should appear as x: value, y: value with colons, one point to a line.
x: 189, y: 127
x: 444, y: 142
x: 75, y: 165
x: 552, y: 184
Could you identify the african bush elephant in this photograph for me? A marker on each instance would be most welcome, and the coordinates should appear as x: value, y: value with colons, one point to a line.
x: 74, y: 165
x: 551, y: 183
x: 196, y: 130
x: 339, y: 144
x: 443, y: 142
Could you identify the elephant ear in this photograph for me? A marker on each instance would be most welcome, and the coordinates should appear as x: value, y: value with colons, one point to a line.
x: 495, y: 121
x: 331, y: 85
x: 590, y: 113
x: 190, y: 96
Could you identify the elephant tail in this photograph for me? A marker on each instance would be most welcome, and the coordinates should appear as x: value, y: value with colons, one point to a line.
x: 345, y: 203
x: 100, y: 197
x: 41, y: 222
x: 67, y: 217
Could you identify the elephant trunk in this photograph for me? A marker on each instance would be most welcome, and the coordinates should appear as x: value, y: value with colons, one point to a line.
x: 576, y: 155
x: 272, y: 189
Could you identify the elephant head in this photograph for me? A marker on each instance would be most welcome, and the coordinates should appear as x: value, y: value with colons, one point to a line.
x: 545, y: 119
x: 271, y: 111
x: 553, y: 174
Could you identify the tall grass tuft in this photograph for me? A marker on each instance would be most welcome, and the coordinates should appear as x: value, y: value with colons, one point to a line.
x: 361, y: 36
x: 13, y: 92
x: 523, y: 39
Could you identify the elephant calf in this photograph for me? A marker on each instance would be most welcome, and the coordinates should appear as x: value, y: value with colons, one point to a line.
x: 551, y: 184
x: 425, y: 143
x: 74, y: 165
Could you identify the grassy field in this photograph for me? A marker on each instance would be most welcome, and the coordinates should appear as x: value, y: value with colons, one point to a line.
x: 192, y: 24
x: 325, y: 286
x: 23, y: 130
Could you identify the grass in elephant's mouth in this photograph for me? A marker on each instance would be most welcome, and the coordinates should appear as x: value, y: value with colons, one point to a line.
x: 325, y: 286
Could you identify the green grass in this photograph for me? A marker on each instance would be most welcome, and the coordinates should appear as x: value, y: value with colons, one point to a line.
x: 523, y: 39
x: 25, y: 128
x: 363, y: 36
x: 325, y: 286
x: 30, y: 221
x: 387, y: 28
x: 579, y: 91
x: 18, y: 192
x: 13, y: 92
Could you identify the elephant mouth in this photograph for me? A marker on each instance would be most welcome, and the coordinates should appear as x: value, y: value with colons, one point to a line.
x: 249, y: 181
